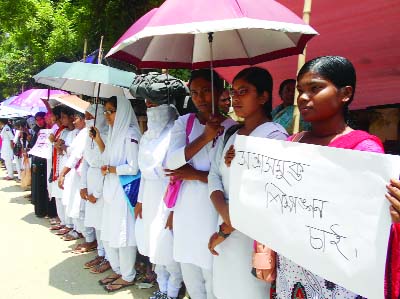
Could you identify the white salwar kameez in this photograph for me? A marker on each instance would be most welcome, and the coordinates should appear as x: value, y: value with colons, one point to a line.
x: 195, y: 217
x: 232, y: 278
x: 118, y: 223
x: 154, y: 240
x: 18, y: 160
x: 69, y: 178
x: 7, y: 154
x: 55, y: 190
x: 91, y: 177
x: 76, y: 205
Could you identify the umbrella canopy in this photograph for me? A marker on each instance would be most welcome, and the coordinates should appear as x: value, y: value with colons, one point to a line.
x: 8, y: 100
x: 87, y: 79
x: 30, y: 100
x: 9, y: 112
x: 244, y: 32
x: 72, y: 101
x: 372, y: 45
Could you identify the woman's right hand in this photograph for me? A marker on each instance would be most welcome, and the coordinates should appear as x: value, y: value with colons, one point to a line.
x: 213, y: 128
x: 138, y: 210
x: 170, y: 221
x: 84, y: 193
x: 97, y: 136
x: 229, y: 155
x: 52, y: 138
x: 61, y: 182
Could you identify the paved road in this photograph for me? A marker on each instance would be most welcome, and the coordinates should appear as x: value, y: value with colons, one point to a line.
x: 37, y: 264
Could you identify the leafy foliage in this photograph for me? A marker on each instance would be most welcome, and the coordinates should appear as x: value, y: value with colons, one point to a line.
x: 36, y: 33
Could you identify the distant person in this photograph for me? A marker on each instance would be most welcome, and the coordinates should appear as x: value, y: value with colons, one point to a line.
x: 283, y: 113
x: 40, y: 195
x: 224, y: 103
x: 7, y: 154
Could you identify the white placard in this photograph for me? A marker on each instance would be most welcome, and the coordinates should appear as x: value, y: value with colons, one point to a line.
x: 324, y: 208
x: 43, y: 147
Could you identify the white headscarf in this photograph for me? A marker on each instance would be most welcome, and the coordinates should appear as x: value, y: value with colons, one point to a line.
x: 125, y: 125
x: 158, y: 118
x: 101, y: 122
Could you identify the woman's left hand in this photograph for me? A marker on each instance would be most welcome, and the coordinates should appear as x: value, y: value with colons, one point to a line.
x: 393, y: 196
x: 104, y: 170
x: 215, y: 240
x: 186, y: 172
x: 92, y: 198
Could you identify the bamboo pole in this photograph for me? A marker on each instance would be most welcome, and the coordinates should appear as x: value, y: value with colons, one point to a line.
x: 300, y: 63
x: 100, y: 57
x: 84, y: 50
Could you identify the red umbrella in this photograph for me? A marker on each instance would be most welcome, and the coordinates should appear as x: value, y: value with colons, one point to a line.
x: 363, y: 31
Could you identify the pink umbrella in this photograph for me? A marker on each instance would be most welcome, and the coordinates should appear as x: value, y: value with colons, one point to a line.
x: 179, y: 34
x: 31, y: 99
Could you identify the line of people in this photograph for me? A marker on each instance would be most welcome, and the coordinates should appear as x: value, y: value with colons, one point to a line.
x: 193, y: 242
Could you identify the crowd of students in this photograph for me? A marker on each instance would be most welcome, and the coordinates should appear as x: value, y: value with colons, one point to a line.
x: 192, y: 242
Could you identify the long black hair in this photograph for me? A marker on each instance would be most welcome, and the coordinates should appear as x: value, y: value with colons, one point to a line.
x: 336, y: 69
x: 262, y: 80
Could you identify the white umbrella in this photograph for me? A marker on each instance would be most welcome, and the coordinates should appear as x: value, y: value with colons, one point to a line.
x: 94, y: 80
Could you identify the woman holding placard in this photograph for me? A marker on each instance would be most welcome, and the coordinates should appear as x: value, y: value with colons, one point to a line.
x: 252, y: 99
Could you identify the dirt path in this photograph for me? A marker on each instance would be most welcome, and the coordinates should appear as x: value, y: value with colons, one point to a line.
x: 37, y: 264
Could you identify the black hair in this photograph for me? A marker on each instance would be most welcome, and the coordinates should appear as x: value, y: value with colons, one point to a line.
x: 262, y: 80
x: 67, y: 111
x: 336, y: 69
x: 206, y: 75
x: 79, y: 114
x: 4, y: 121
x: 57, y: 111
x: 40, y: 114
x: 113, y: 101
x: 20, y: 123
x: 284, y: 83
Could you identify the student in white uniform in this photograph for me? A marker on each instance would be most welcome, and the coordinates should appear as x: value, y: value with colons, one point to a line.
x: 18, y: 147
x: 118, y: 224
x: 76, y: 205
x: 92, y: 183
x: 59, y: 160
x: 252, y: 96
x: 195, y: 218
x: 154, y: 239
x: 65, y: 179
x: 7, y: 154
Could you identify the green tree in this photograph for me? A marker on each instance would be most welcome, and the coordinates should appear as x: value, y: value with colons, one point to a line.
x: 36, y: 33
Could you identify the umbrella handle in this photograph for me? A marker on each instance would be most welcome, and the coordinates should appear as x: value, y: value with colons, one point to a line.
x: 210, y: 41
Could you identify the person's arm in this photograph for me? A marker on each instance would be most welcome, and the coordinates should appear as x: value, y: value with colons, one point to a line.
x: 215, y: 185
x: 138, y: 207
x: 212, y: 129
x: 179, y: 152
x: 83, y: 181
x: 48, y: 107
x: 131, y: 167
x: 61, y: 177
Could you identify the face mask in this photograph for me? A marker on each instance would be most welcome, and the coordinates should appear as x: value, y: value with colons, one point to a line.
x: 90, y: 123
